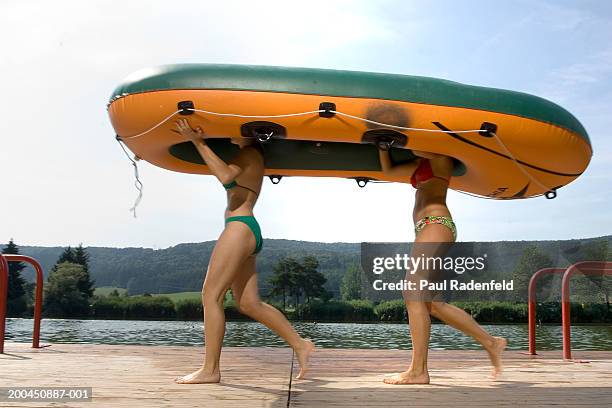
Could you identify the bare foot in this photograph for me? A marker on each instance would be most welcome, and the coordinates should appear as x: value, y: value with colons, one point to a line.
x: 303, y: 355
x: 495, y: 351
x: 407, y: 377
x: 199, y: 377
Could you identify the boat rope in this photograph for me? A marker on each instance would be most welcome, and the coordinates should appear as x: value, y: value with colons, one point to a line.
x: 137, y: 183
x: 287, y: 115
x: 549, y: 191
x: 521, y: 167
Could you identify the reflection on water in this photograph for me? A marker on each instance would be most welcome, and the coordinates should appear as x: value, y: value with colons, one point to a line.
x: 329, y: 335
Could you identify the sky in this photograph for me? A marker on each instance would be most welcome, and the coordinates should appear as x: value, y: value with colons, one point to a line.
x: 66, y: 181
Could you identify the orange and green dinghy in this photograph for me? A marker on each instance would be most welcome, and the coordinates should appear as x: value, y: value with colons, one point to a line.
x: 328, y: 123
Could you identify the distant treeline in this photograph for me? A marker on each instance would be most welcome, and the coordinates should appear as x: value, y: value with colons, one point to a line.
x: 327, y: 284
x: 181, y: 268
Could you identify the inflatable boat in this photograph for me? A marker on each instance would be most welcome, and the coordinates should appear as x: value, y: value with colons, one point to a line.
x: 330, y: 123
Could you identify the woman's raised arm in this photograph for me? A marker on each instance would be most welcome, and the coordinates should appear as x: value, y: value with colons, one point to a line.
x: 226, y: 173
x: 400, y: 170
x: 427, y: 155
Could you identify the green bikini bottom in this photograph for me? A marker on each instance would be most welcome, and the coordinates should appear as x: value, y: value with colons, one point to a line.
x: 252, y: 223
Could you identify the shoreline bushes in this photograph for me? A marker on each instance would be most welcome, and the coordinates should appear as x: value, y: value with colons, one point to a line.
x: 161, y: 307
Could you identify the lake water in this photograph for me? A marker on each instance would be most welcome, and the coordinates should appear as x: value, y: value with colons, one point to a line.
x: 328, y: 335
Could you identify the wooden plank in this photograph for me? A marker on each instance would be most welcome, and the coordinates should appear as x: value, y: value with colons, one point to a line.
x: 134, y: 376
x: 340, y: 378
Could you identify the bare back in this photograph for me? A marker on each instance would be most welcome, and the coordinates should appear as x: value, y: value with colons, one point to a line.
x: 431, y: 195
x: 242, y: 198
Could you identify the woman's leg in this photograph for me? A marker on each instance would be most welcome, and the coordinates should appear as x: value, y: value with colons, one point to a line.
x: 233, y: 247
x: 419, y: 324
x: 460, y: 320
x: 246, y: 293
x: 420, y: 327
x: 430, y: 242
x: 451, y: 315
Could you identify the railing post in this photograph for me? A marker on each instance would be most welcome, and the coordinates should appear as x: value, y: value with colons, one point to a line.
x: 4, y: 260
x: 531, y: 299
x: 587, y: 268
x: 4, y: 272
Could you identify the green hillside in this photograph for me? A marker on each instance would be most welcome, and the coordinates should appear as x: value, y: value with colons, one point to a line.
x: 181, y: 268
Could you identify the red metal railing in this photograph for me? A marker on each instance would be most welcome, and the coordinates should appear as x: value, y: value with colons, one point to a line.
x: 531, y: 299
x: 585, y: 268
x: 4, y: 272
x: 4, y: 260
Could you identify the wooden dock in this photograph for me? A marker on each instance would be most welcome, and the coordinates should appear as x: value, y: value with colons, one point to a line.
x: 135, y: 376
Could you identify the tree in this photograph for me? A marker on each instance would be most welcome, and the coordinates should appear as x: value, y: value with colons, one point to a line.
x: 313, y: 279
x: 590, y: 288
x: 599, y: 251
x: 294, y: 279
x: 17, y: 293
x: 350, y: 288
x: 298, y: 280
x: 530, y: 262
x: 282, y: 278
x: 81, y: 257
x: 66, y: 256
x: 63, y: 298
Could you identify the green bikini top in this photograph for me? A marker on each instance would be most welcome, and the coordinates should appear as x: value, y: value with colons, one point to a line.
x: 230, y: 185
x: 233, y: 184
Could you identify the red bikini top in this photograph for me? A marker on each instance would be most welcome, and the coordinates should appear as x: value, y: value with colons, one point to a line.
x: 423, y: 173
